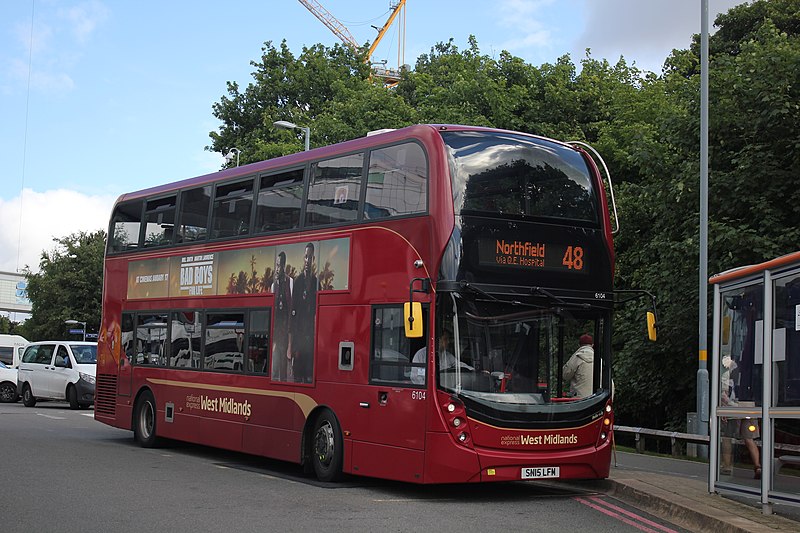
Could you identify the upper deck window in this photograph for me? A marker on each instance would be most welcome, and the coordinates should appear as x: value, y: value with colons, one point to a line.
x: 125, y: 225
x: 335, y: 190
x: 159, y: 219
x: 280, y: 199
x: 397, y: 181
x: 518, y: 176
x: 195, y: 204
x: 233, y: 204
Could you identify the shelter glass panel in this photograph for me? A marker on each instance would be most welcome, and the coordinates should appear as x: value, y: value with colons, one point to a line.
x: 741, y: 358
x: 786, y: 341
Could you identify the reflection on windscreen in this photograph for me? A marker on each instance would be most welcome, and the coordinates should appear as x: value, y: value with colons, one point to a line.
x: 84, y: 355
x: 513, y: 358
x: 516, y: 175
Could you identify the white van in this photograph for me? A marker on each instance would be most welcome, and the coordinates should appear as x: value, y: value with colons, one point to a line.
x: 58, y: 370
x: 11, y: 347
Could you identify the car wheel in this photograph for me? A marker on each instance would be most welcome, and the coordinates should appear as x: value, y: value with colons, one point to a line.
x: 327, y: 452
x: 72, y: 397
x: 144, y: 421
x: 28, y: 399
x: 8, y: 392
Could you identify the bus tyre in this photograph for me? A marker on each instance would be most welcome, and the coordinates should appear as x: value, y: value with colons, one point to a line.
x: 72, y: 397
x: 326, y: 448
x: 28, y: 399
x: 144, y: 421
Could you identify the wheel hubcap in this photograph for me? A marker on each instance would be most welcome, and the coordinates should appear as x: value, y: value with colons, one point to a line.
x: 323, y: 444
x: 146, y: 420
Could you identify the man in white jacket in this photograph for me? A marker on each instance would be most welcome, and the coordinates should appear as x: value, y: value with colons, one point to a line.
x: 579, y: 369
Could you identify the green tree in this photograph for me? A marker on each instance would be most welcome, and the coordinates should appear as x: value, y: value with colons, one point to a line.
x: 68, y: 286
x: 753, y: 195
x: 330, y: 89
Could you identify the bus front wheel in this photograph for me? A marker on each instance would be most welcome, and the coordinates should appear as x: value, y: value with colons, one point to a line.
x: 327, y: 452
x: 144, y: 421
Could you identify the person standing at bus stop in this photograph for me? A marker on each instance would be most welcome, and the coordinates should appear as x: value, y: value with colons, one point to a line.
x: 579, y: 368
x: 282, y: 289
x: 303, y: 315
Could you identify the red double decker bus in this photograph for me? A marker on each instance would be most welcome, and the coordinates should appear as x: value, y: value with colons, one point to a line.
x: 399, y: 306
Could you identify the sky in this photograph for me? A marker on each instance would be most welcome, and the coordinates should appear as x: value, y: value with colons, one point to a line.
x: 103, y: 97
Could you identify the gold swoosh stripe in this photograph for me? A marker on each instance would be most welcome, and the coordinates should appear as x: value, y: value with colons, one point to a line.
x: 304, y: 402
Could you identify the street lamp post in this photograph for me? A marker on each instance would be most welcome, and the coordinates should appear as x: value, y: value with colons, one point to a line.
x: 292, y: 126
x: 74, y: 322
x: 230, y: 153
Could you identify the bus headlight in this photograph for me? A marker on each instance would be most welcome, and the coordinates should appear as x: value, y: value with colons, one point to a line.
x: 456, y: 422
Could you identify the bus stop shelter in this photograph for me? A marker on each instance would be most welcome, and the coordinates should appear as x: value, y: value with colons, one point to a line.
x: 755, y: 387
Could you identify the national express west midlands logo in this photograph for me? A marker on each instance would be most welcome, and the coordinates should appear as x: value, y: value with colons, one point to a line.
x: 219, y: 405
x: 538, y: 440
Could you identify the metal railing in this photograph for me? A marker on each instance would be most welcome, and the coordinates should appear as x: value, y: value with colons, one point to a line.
x: 675, y: 437
x: 792, y: 455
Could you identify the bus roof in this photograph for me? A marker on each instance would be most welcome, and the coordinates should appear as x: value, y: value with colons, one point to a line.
x: 421, y: 131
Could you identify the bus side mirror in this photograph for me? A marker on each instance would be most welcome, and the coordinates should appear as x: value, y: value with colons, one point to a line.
x: 651, y: 326
x: 412, y: 315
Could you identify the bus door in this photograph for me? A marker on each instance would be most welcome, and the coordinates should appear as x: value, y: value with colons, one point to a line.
x: 394, y: 403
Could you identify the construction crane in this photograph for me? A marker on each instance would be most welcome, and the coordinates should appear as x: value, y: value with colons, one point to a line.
x: 389, y: 76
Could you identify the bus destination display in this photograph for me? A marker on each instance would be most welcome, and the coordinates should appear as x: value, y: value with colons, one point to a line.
x: 569, y: 257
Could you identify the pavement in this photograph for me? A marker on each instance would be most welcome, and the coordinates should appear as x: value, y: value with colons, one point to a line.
x: 677, y: 491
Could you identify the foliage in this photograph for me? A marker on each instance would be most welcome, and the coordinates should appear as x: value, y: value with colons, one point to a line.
x: 10, y: 327
x: 329, y: 87
x: 68, y: 286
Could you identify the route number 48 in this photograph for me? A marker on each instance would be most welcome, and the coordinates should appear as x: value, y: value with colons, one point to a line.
x: 573, y: 258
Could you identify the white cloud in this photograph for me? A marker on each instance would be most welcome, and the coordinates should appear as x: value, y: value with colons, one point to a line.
x: 84, y: 18
x: 38, y: 40
x: 48, y: 81
x: 523, y: 19
x: 45, y: 216
x: 642, y: 31
x: 55, y: 45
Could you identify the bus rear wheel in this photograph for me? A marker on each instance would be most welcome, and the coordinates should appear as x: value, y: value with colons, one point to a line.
x: 144, y: 421
x: 327, y: 452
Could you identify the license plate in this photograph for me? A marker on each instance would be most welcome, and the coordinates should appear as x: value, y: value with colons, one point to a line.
x: 540, y: 472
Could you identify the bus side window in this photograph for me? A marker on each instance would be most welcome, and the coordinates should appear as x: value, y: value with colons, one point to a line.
x: 392, y: 352
x: 258, y: 342
x: 280, y: 198
x: 126, y: 223
x: 233, y: 203
x: 193, y: 215
x: 159, y: 220
x: 334, y: 191
x: 397, y: 181
x: 185, y: 338
x: 151, y: 339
